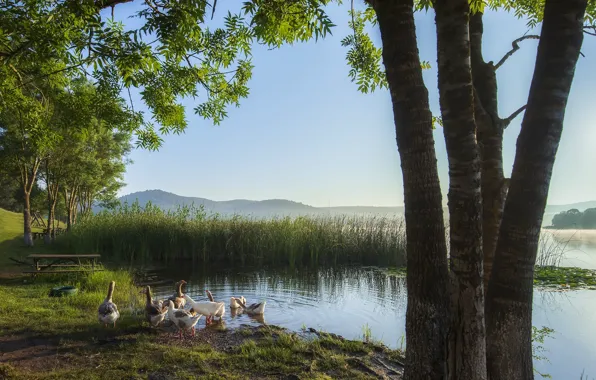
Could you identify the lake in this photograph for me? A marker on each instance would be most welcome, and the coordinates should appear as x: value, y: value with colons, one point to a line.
x: 351, y: 300
x: 580, y: 250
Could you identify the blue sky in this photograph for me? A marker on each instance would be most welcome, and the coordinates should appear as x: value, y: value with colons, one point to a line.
x: 306, y: 134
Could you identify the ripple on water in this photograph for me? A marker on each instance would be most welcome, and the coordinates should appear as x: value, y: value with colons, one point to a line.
x: 340, y: 300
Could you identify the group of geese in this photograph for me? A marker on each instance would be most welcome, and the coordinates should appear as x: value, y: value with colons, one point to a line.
x: 174, y: 307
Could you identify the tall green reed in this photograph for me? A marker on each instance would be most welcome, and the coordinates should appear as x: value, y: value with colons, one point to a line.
x: 148, y: 234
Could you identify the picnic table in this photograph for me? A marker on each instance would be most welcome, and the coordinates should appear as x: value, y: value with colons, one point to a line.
x: 40, y: 234
x: 77, y: 262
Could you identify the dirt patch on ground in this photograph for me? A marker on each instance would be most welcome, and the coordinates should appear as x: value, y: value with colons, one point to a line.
x: 32, y: 357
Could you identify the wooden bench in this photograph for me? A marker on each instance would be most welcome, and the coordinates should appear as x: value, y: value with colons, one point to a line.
x: 62, y: 260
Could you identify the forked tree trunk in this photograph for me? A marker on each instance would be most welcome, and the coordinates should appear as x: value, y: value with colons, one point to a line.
x: 490, y: 141
x: 427, y: 315
x: 467, y: 347
x: 509, y: 298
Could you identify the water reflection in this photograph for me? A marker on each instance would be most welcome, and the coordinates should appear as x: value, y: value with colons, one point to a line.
x: 339, y: 300
x: 345, y: 300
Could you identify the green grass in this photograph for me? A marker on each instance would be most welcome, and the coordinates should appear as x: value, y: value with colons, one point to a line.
x: 143, y: 235
x: 67, y: 341
x: 26, y: 306
x: 60, y: 338
x: 11, y: 240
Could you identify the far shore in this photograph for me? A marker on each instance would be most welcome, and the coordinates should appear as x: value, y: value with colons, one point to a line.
x: 587, y: 236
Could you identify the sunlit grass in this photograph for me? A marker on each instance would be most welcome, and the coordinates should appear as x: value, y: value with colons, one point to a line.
x: 28, y: 306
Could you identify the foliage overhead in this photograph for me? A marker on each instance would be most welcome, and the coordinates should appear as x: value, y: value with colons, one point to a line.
x: 170, y: 51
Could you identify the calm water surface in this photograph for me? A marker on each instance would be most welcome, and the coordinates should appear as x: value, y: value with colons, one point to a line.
x: 349, y: 300
x: 580, y: 248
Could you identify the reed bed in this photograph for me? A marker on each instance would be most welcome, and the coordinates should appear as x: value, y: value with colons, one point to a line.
x: 149, y: 234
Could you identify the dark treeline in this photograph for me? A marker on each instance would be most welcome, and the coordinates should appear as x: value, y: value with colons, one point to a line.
x: 575, y: 219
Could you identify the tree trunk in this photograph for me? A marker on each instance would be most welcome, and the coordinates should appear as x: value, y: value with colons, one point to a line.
x: 28, y: 236
x: 509, y: 298
x: 490, y: 141
x: 467, y: 348
x: 48, y: 235
x: 427, y: 315
x: 28, y: 178
x: 52, y: 198
x: 67, y: 203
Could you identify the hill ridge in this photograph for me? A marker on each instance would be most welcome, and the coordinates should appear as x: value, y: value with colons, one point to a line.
x: 284, y: 207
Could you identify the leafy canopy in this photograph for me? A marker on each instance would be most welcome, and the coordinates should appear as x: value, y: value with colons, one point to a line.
x: 170, y: 51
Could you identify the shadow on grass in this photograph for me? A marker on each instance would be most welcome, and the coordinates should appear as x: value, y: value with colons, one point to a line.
x: 17, y: 249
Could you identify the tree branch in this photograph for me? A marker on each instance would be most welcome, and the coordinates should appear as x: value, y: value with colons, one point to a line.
x: 110, y: 3
x: 505, y: 122
x: 154, y: 7
x: 515, y: 45
x: 213, y: 9
x: 593, y: 27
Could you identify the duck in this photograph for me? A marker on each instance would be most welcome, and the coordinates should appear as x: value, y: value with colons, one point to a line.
x: 155, y: 310
x: 108, y: 311
x: 255, y: 308
x: 237, y: 302
x: 183, y: 319
x: 177, y: 297
x: 209, y: 309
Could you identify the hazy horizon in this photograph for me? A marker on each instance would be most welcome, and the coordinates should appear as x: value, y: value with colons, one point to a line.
x: 306, y: 134
x: 307, y: 204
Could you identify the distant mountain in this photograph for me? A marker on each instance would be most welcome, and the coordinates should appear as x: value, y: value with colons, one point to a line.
x: 283, y: 207
x: 265, y: 208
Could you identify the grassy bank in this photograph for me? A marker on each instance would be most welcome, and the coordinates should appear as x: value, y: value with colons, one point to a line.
x: 60, y: 338
x: 43, y: 337
x: 11, y: 240
x: 135, y: 234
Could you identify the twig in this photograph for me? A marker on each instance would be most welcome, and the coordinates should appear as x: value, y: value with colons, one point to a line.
x: 154, y: 7
x: 213, y: 9
x: 515, y: 45
x: 130, y: 99
x: 353, y: 22
x: 505, y: 122
x: 593, y: 27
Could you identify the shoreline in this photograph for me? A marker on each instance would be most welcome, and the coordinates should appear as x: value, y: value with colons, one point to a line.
x: 263, y: 352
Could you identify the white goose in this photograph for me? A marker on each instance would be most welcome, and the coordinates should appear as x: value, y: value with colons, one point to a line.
x: 237, y: 302
x: 108, y: 311
x: 208, y: 309
x: 182, y: 319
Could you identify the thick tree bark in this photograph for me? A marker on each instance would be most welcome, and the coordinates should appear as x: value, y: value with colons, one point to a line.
x: 467, y: 347
x: 427, y: 315
x: 490, y: 141
x: 509, y: 298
